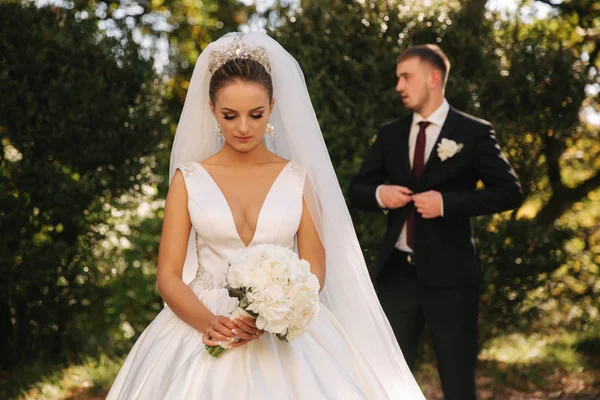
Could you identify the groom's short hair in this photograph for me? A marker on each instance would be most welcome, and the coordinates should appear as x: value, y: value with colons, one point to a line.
x: 430, y: 53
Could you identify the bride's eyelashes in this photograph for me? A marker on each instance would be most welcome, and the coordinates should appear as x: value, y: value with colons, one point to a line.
x: 230, y: 117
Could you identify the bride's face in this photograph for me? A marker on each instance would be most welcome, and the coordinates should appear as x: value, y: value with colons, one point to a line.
x: 242, y: 110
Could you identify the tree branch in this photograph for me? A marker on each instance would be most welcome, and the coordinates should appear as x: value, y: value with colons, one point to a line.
x: 587, y: 186
x: 552, y: 154
x: 564, y: 198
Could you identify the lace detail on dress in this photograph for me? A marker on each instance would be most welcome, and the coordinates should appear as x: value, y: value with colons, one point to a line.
x: 299, y: 171
x: 187, y: 169
x: 206, y: 279
x: 297, y: 168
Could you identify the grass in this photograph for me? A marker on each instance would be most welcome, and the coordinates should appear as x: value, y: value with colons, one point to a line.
x: 88, y: 380
x: 557, y: 365
x: 539, y: 366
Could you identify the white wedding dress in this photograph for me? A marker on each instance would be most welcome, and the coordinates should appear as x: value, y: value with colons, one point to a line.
x: 169, y: 361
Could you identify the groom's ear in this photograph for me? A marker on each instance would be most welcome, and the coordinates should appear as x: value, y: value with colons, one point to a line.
x: 436, y: 78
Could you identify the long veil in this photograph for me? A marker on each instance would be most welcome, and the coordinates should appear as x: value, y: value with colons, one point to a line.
x: 348, y: 292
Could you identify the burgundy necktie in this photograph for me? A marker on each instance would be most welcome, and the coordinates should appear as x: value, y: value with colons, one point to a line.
x: 417, y: 170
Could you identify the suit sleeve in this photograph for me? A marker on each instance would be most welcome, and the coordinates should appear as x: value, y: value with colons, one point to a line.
x: 502, y: 188
x: 372, y: 173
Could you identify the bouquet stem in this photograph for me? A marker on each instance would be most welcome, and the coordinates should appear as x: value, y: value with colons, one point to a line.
x: 215, y: 351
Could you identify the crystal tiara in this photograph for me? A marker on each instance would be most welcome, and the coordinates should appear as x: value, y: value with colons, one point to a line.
x: 238, y: 49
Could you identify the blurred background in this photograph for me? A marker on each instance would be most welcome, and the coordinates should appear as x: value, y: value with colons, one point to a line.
x: 91, y: 92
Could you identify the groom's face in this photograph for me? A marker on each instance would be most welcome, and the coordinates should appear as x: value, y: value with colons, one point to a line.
x: 413, y: 77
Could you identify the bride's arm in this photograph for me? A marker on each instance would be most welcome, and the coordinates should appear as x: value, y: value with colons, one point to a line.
x: 310, y: 247
x: 171, y: 257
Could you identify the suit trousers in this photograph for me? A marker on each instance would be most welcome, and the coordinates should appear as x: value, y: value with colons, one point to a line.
x: 450, y: 315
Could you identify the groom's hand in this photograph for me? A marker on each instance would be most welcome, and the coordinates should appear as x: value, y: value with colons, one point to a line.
x: 394, y: 196
x: 428, y: 204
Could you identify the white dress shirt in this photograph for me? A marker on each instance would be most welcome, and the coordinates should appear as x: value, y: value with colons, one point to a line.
x: 437, y: 119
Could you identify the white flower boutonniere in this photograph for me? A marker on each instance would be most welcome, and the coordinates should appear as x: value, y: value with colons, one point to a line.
x: 448, y: 148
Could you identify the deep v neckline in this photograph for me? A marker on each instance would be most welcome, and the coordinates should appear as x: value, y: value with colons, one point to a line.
x: 260, y: 211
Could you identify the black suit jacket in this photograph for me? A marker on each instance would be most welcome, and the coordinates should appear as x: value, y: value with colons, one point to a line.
x: 444, y: 247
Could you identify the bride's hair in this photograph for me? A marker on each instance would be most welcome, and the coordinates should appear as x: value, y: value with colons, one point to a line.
x: 243, y: 70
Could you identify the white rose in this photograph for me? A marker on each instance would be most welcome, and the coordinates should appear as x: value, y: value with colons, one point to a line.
x: 257, y: 278
x: 233, y: 278
x: 448, y: 148
x: 277, y: 273
x: 277, y: 326
x: 303, y: 295
x: 293, y: 333
x: 298, y: 270
x: 276, y: 310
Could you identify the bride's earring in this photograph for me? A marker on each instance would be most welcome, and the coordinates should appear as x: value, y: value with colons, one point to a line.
x: 270, y: 131
x: 218, y: 131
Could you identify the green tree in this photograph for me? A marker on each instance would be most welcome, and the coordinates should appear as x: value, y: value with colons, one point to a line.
x: 79, y: 116
x: 179, y: 30
x: 187, y: 27
x: 529, y: 79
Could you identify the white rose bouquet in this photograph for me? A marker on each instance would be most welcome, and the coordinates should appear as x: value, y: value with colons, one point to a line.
x: 274, y: 286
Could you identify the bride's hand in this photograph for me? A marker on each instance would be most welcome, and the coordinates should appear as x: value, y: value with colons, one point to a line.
x: 220, y: 329
x: 246, y: 329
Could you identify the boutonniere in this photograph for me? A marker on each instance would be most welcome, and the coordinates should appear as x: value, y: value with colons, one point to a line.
x: 448, y: 148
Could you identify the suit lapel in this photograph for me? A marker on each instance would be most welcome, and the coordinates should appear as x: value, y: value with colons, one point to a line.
x: 433, y: 161
x: 404, y: 149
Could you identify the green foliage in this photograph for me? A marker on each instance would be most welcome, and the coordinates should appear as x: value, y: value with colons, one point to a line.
x: 187, y: 28
x: 90, y: 379
x: 517, y: 256
x: 184, y: 27
x: 102, y: 119
x: 529, y: 79
x: 79, y: 115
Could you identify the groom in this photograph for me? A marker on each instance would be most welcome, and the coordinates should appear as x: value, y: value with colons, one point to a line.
x: 424, y: 169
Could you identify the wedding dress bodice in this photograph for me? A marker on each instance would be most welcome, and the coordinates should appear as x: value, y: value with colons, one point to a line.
x: 216, y: 234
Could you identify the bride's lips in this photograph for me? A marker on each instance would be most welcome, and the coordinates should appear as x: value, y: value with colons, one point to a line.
x: 243, y: 139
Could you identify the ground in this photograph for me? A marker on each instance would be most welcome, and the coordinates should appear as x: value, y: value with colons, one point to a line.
x: 514, y: 367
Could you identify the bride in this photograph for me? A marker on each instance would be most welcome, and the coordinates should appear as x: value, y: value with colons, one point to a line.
x: 249, y: 166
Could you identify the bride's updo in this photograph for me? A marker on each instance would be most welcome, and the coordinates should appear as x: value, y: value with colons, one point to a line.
x: 242, y: 70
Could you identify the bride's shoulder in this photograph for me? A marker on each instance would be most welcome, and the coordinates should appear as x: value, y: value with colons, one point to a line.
x: 275, y: 159
x: 215, y: 160
x: 211, y: 164
x: 297, y: 168
x: 188, y: 168
x: 297, y: 172
x: 284, y: 163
